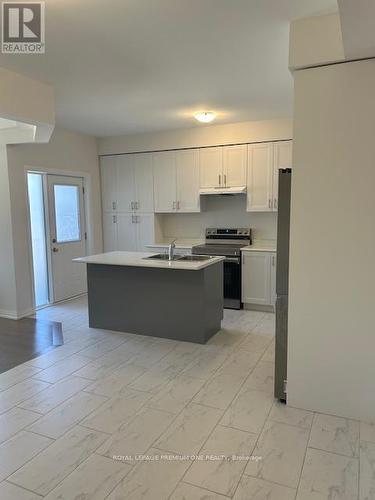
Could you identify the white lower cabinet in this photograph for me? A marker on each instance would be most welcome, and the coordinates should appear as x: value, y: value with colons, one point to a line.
x: 128, y: 232
x: 145, y: 228
x: 109, y: 232
x: 259, y: 278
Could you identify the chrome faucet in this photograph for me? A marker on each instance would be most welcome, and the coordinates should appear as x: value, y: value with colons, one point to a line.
x: 171, y: 249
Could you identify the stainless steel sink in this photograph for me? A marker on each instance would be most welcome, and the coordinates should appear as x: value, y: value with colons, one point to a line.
x: 196, y: 258
x: 163, y: 256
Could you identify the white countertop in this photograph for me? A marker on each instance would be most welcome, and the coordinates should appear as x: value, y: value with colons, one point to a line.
x: 261, y: 246
x: 181, y: 243
x: 137, y: 259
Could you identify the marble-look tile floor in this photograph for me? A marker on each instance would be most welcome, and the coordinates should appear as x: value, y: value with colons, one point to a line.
x: 76, y: 422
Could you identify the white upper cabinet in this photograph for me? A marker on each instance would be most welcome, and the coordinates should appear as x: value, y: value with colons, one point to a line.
x: 259, y: 177
x: 211, y: 167
x: 256, y: 278
x: 125, y: 183
x: 187, y: 180
x: 164, y: 165
x: 176, y: 181
x: 108, y: 171
x: 234, y: 165
x: 144, y: 183
x: 282, y: 159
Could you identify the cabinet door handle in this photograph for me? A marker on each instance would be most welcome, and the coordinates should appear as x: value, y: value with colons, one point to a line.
x: 269, y: 203
x: 114, y: 205
x: 275, y: 203
x: 225, y: 180
x: 174, y: 205
x: 114, y: 219
x: 178, y: 205
x: 219, y: 180
x: 137, y: 205
x: 131, y: 205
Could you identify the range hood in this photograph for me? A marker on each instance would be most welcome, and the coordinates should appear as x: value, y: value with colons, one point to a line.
x: 223, y: 190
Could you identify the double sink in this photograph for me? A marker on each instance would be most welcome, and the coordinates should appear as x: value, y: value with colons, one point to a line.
x: 189, y: 258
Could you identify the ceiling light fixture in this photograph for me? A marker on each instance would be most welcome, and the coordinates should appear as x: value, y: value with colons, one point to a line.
x: 205, y: 116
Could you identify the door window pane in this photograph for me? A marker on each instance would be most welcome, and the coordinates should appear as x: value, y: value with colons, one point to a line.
x: 38, y: 238
x: 67, y: 217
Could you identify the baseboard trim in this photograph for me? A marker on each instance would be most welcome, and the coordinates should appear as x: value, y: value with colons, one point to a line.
x: 8, y: 314
x: 259, y: 307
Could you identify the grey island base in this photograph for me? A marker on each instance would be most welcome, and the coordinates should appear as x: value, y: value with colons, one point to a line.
x: 181, y: 301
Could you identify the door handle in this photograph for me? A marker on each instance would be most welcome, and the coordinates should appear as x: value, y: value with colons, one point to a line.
x: 225, y: 180
x: 137, y: 204
x: 114, y: 219
x: 55, y: 250
x: 114, y: 205
x: 132, y: 205
x: 219, y: 180
x: 275, y: 203
x: 178, y: 205
x: 54, y: 240
x: 269, y: 203
x: 174, y: 205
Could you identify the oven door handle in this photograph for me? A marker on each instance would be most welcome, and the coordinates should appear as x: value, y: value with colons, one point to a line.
x: 236, y: 260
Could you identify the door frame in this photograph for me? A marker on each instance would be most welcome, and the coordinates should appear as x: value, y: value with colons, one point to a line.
x: 86, y: 178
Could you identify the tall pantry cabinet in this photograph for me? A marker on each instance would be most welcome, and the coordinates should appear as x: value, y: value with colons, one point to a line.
x: 127, y: 202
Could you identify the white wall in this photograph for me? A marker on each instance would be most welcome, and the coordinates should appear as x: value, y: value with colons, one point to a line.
x: 219, y: 211
x: 27, y: 101
x: 66, y: 152
x: 8, y: 299
x: 314, y: 41
x: 331, y: 366
x: 213, y: 135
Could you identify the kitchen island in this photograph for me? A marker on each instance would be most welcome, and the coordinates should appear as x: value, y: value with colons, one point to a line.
x: 137, y: 293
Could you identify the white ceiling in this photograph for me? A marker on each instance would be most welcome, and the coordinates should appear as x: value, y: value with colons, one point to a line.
x: 127, y: 66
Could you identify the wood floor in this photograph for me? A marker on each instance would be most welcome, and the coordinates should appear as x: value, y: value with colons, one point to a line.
x: 26, y: 339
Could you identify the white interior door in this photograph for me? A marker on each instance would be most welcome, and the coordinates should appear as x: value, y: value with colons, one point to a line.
x: 67, y: 235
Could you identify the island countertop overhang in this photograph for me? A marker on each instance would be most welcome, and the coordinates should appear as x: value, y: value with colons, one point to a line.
x: 139, y: 259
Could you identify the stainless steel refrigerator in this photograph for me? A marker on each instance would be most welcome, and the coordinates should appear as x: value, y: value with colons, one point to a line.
x: 282, y: 283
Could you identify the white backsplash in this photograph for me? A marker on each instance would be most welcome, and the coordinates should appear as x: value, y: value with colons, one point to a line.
x: 219, y: 211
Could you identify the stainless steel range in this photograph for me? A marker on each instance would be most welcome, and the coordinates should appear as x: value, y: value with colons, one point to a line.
x: 228, y: 243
